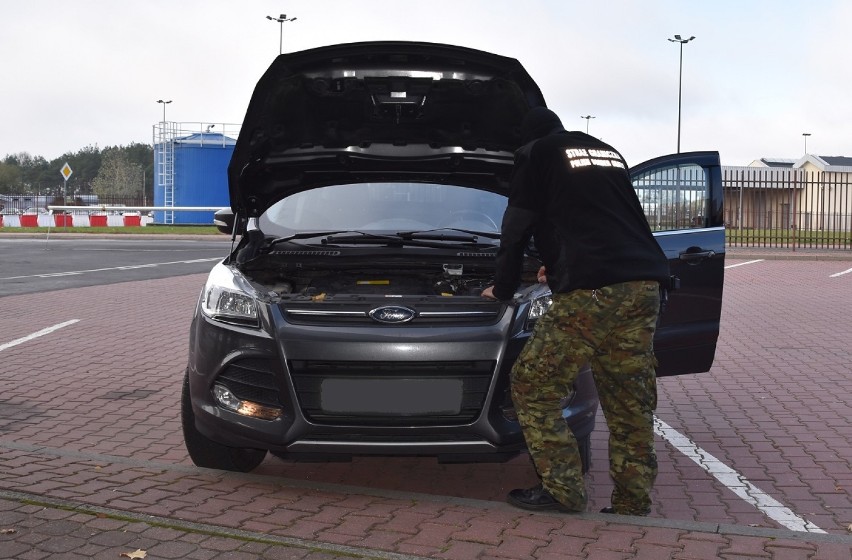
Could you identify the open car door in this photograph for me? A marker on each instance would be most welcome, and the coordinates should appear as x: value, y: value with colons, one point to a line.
x: 682, y: 198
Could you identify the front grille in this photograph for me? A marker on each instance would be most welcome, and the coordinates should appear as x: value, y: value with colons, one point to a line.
x: 252, y: 380
x: 432, y: 313
x: 376, y: 391
x: 475, y: 255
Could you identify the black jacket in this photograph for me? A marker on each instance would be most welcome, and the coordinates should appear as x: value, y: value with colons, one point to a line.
x: 572, y: 193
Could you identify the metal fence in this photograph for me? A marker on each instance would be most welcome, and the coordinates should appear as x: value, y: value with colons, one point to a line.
x: 764, y: 207
x: 787, y: 208
x: 38, y: 203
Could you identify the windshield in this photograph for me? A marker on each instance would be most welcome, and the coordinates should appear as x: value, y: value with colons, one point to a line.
x: 385, y: 207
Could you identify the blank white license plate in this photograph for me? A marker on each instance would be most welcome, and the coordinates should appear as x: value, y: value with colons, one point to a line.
x: 391, y: 396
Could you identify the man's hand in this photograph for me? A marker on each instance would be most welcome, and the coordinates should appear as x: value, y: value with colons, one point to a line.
x: 488, y: 293
x: 542, y: 276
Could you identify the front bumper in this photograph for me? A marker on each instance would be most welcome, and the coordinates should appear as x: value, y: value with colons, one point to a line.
x: 294, y: 366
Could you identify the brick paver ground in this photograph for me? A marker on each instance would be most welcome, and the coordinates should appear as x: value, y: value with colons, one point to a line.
x: 89, y: 419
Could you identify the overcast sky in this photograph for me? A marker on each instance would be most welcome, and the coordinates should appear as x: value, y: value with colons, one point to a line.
x: 758, y: 75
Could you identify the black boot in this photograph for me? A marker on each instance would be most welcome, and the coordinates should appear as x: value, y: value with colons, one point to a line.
x: 536, y: 499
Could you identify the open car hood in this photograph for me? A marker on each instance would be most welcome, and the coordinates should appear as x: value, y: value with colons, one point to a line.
x: 379, y: 111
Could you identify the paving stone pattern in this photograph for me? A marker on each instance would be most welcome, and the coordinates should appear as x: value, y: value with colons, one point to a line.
x: 89, y: 417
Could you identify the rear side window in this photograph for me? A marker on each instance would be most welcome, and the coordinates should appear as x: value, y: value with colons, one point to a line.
x: 674, y: 198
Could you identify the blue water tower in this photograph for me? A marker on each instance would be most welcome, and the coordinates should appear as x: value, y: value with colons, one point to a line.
x: 191, y: 170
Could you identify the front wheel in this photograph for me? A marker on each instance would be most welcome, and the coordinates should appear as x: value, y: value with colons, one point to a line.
x: 207, y: 453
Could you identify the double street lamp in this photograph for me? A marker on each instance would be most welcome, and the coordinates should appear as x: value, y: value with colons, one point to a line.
x: 679, y: 39
x: 587, y: 117
x: 806, y: 134
x: 280, y: 19
x: 164, y: 108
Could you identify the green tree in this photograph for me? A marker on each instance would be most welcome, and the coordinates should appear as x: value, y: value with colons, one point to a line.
x: 10, y: 178
x: 22, y: 173
x: 143, y: 156
x: 25, y: 169
x: 118, y: 177
x: 85, y: 164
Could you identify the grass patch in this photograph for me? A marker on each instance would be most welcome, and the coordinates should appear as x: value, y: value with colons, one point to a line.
x: 788, y: 238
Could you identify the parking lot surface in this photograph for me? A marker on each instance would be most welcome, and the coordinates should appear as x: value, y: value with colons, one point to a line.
x: 754, y: 455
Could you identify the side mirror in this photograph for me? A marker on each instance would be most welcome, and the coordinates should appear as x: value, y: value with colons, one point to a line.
x: 224, y: 221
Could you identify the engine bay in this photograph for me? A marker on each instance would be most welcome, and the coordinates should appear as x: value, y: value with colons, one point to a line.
x: 285, y: 279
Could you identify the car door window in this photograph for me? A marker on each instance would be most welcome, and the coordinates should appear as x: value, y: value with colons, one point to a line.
x: 675, y: 197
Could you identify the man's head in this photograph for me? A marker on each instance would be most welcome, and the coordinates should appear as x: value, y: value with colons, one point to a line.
x: 540, y: 121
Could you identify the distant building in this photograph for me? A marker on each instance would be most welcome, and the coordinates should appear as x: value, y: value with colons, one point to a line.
x: 810, y: 193
x: 773, y: 162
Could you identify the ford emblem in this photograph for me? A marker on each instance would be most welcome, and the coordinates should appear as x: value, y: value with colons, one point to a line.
x: 392, y: 314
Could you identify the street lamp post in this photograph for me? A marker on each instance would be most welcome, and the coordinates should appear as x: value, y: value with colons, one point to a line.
x: 587, y: 117
x: 806, y: 134
x: 678, y: 39
x: 164, y: 108
x: 280, y: 19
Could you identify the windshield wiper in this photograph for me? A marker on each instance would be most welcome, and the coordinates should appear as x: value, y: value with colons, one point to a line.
x: 426, y: 238
x: 308, y: 235
x: 434, y: 234
x: 402, y: 239
x: 375, y: 239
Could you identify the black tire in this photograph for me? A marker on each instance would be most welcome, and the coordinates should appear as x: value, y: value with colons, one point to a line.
x: 207, y: 453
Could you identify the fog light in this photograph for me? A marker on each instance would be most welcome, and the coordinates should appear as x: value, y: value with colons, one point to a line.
x: 247, y: 408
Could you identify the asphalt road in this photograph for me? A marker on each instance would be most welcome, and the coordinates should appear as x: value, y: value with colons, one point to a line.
x: 57, y: 262
x: 760, y: 444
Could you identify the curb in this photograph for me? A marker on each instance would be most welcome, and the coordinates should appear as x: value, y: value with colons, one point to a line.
x: 202, y: 528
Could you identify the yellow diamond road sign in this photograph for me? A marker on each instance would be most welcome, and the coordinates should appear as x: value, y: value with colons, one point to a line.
x: 66, y: 171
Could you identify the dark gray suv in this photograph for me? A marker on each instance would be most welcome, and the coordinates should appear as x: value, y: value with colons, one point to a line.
x: 367, y: 187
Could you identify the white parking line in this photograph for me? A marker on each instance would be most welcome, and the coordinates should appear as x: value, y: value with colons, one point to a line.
x: 734, y: 481
x: 744, y: 263
x: 42, y: 332
x: 841, y: 273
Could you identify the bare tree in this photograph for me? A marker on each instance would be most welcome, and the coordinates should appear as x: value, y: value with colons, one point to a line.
x: 118, y: 176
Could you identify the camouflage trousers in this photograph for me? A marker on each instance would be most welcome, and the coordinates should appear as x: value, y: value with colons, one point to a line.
x: 612, y: 329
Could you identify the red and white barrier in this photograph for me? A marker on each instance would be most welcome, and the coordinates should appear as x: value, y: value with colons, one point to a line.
x: 130, y: 219
x: 94, y: 216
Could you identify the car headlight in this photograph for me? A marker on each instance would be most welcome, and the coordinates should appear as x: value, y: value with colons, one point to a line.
x: 228, y: 297
x: 538, y: 307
